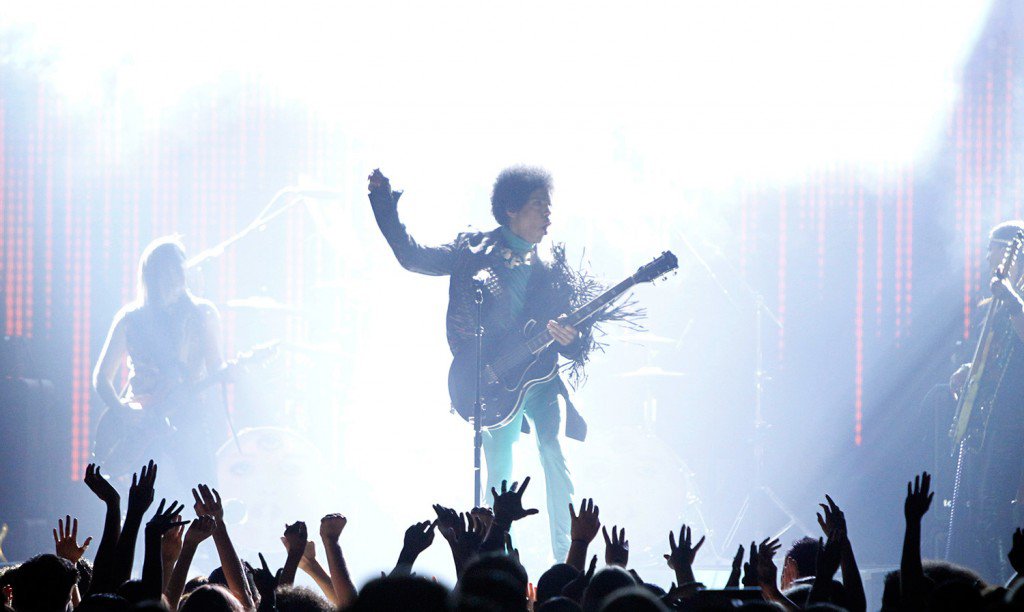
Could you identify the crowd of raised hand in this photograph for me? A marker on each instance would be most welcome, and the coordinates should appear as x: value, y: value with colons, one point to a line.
x: 490, y: 575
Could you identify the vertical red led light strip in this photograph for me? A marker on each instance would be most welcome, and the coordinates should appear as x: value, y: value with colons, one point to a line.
x: 964, y: 164
x: 5, y: 232
x: 48, y: 256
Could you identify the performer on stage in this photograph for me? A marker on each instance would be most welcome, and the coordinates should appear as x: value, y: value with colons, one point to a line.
x: 531, y: 288
x: 986, y: 509
x: 170, y: 340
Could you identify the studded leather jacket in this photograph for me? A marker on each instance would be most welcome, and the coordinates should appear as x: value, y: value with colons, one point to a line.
x: 548, y: 293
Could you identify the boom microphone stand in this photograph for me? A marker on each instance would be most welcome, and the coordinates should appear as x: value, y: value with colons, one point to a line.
x: 478, y: 439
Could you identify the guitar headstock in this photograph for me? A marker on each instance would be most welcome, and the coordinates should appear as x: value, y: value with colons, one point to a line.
x: 660, y: 266
x: 1010, y: 255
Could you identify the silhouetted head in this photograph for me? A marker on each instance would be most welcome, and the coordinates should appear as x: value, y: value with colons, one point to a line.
x: 632, y: 599
x: 799, y: 561
x: 401, y: 593
x: 559, y: 604
x: 210, y: 598
x: 551, y: 582
x: 293, y: 598
x: 162, y: 272
x: 492, y: 580
x: 603, y: 584
x: 43, y: 583
x: 104, y: 602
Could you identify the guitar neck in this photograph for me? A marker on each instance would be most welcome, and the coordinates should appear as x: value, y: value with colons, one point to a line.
x: 541, y: 341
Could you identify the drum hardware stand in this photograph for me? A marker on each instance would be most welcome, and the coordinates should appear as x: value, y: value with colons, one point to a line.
x: 760, y: 425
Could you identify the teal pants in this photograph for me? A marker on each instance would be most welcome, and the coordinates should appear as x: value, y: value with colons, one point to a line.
x: 540, y: 406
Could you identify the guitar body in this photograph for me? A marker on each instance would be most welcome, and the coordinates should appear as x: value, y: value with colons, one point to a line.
x: 125, y: 439
x: 509, y: 370
x: 512, y: 364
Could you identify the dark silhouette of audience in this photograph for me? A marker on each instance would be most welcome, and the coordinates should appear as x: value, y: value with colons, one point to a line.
x: 490, y: 575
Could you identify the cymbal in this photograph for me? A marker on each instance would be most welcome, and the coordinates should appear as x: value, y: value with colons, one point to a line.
x: 652, y: 372
x: 260, y: 302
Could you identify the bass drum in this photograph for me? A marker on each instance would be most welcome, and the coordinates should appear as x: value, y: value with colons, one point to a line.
x: 267, y: 480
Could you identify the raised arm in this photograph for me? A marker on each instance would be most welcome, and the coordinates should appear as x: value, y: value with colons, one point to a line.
x: 314, y: 570
x: 912, y: 583
x: 200, y: 529
x: 832, y: 518
x: 435, y: 261
x: 331, y: 527
x: 295, y: 538
x: 208, y: 502
x: 152, y: 564
x: 103, y: 565
x: 140, y: 497
x: 418, y: 537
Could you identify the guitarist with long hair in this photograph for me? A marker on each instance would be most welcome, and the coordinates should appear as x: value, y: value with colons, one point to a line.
x: 519, y: 286
x: 168, y: 338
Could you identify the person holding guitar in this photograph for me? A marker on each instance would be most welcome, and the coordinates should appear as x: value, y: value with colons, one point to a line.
x: 517, y: 286
x: 169, y: 340
x: 988, y: 489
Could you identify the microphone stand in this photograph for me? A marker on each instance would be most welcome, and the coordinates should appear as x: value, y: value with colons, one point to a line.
x: 478, y: 404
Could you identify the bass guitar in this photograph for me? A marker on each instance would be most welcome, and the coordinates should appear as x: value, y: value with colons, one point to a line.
x: 124, y: 436
x: 510, y: 365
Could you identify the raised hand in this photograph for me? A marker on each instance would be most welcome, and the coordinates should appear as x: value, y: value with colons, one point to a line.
x: 831, y: 517
x: 484, y: 515
x: 100, y: 486
x: 295, y: 538
x: 1016, y: 554
x: 767, y: 571
x: 750, y: 568
x: 140, y: 495
x: 208, y: 503
x: 200, y: 529
x: 680, y: 557
x: 508, y: 506
x: 419, y: 537
x: 266, y: 584
x: 616, y: 548
x: 171, y: 543
x: 737, y: 564
x: 164, y: 520
x: 830, y: 554
x: 586, y: 524
x: 448, y: 522
x: 331, y: 526
x: 919, y: 498
x: 377, y: 182
x: 65, y: 540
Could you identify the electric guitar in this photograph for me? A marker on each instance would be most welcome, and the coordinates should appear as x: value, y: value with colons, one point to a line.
x: 512, y: 364
x: 124, y: 436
